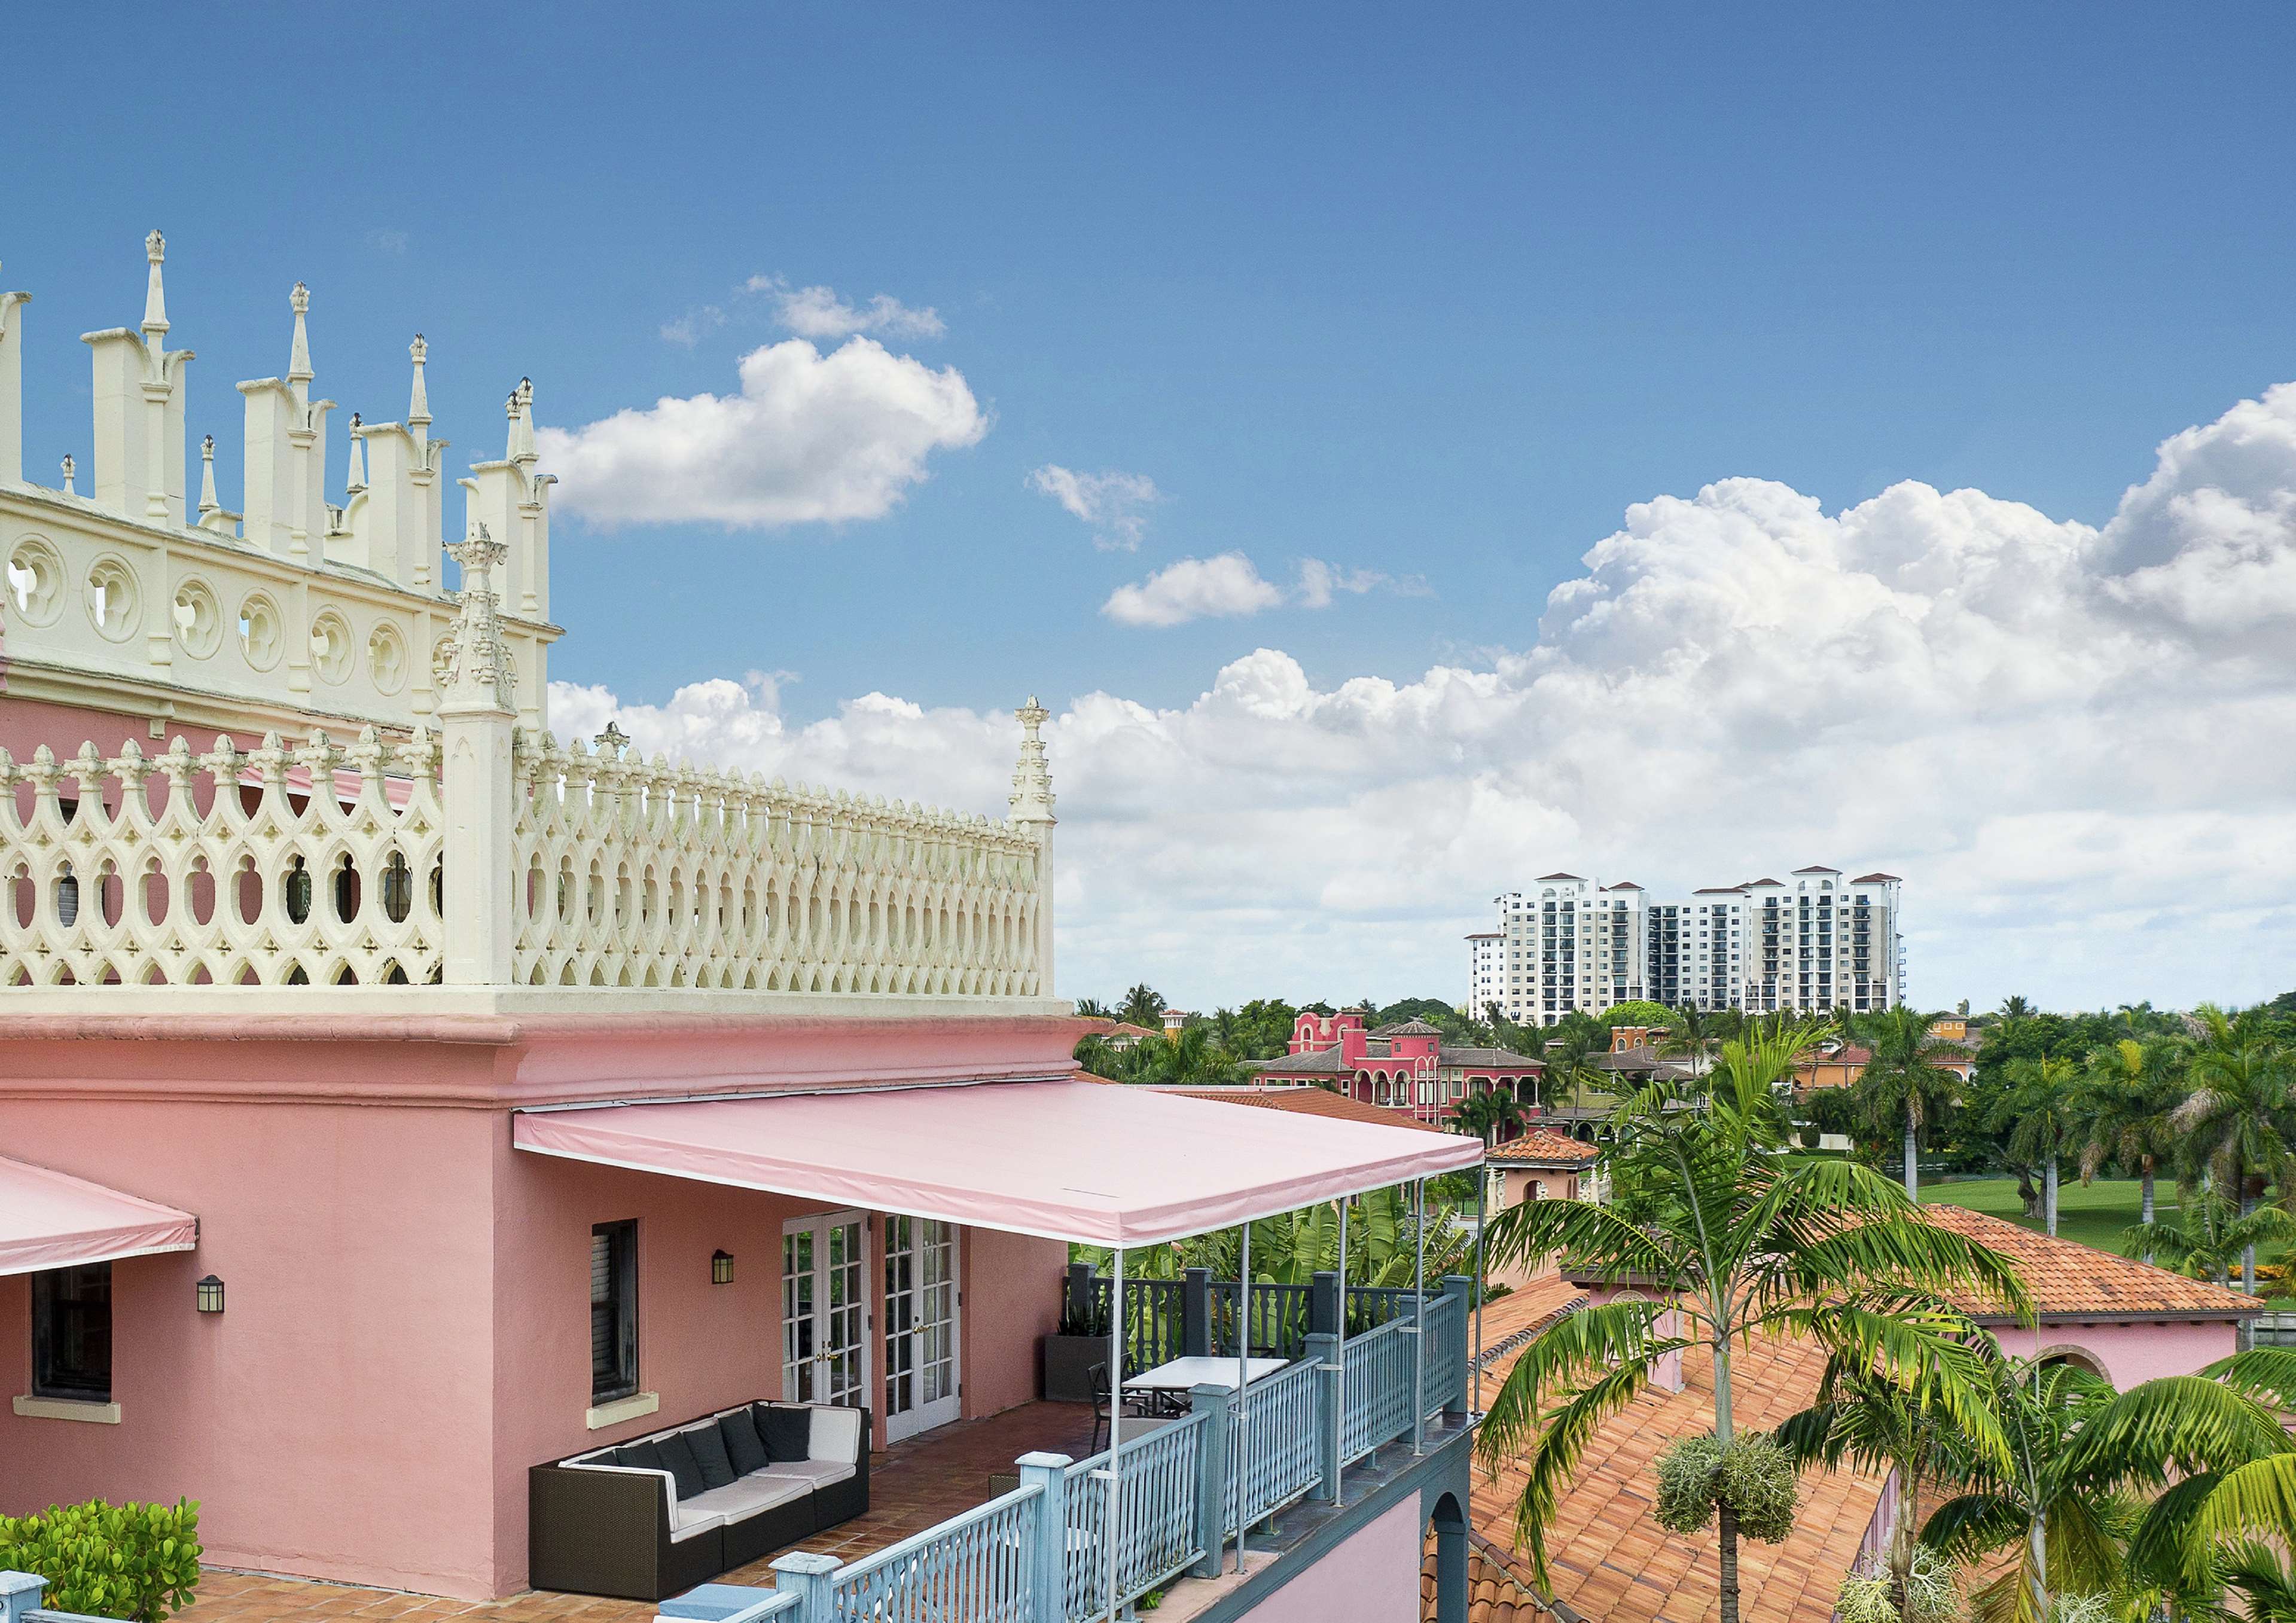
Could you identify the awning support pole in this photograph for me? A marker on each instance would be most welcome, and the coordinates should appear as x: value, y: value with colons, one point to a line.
x: 1482, y: 1280
x: 1240, y: 1453
x: 1113, y: 1533
x: 1419, y: 1329
x: 1340, y: 1407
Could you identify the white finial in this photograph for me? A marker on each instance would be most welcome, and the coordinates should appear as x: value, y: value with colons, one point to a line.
x: 521, y: 423
x: 155, y: 296
x: 418, y: 403
x: 298, y: 360
x: 208, y: 505
x: 477, y: 668
x: 1031, y: 799
x: 357, y: 480
x: 68, y: 461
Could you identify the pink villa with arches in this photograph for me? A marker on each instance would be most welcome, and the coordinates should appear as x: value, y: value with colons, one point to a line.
x: 1404, y: 1066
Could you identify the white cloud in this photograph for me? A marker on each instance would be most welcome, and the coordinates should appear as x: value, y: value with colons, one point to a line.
x: 1110, y: 501
x: 2078, y: 745
x: 1194, y: 589
x: 687, y: 330
x: 811, y: 438
x: 1231, y: 585
x: 818, y: 313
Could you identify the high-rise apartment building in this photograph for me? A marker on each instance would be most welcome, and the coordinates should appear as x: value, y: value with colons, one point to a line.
x: 1813, y: 942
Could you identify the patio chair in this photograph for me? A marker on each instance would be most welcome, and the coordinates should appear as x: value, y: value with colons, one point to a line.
x: 1133, y: 1408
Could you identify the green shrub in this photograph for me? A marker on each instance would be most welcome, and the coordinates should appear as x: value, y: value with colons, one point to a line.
x: 133, y: 1562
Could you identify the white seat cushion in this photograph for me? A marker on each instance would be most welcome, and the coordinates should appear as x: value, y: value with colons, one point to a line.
x: 813, y: 1473
x: 688, y: 1522
x: 746, y: 1496
x: 835, y: 1436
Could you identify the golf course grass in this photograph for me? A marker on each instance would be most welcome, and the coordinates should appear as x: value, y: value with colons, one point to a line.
x: 2094, y: 1214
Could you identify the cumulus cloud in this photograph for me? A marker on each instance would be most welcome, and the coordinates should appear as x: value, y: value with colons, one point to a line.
x: 818, y: 313
x: 811, y: 438
x: 1194, y: 588
x: 1110, y: 501
x: 2078, y: 746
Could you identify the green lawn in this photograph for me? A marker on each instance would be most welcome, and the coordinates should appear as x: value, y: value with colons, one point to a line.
x: 2095, y: 1214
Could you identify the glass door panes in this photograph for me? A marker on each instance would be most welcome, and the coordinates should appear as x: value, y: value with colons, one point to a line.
x: 825, y: 1310
x: 922, y: 1305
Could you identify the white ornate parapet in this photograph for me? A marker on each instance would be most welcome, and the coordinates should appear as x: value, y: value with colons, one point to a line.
x: 610, y: 872
x: 639, y: 875
x: 224, y: 868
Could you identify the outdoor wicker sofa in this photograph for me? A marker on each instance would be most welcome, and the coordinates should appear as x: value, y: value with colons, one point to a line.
x: 652, y: 1517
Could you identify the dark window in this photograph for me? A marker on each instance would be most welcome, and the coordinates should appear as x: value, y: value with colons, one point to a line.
x: 613, y: 1310
x: 71, y: 1333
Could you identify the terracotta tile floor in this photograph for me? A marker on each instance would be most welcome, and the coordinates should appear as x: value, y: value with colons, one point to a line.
x: 912, y: 1486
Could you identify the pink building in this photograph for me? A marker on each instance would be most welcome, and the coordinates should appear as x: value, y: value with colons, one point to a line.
x: 1405, y: 1065
x: 402, y: 1110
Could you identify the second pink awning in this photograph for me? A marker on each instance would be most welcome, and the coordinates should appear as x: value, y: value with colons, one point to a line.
x: 1066, y: 1160
x: 49, y: 1219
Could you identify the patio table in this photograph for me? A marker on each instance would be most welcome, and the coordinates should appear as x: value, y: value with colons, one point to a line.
x: 1170, y: 1382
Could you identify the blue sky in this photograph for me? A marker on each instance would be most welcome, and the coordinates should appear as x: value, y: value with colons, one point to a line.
x: 1430, y: 297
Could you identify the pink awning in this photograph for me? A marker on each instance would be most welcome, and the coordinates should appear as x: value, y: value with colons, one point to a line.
x: 1066, y: 1160
x: 48, y: 1220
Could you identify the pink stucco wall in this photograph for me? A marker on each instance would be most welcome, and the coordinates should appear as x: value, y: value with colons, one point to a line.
x: 406, y: 1332
x: 2129, y: 1353
x: 1374, y: 1578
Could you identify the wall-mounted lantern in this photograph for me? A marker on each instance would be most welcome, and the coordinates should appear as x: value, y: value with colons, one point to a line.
x: 721, y: 1267
x: 210, y: 1294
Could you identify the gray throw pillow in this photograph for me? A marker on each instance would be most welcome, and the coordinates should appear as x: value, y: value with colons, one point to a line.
x: 677, y: 1459
x: 709, y: 1453
x: 641, y: 1457
x: 743, y: 1445
x: 787, y: 1428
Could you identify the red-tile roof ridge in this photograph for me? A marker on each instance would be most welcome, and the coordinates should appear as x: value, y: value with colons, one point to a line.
x: 2071, y: 1280
x: 1543, y: 1146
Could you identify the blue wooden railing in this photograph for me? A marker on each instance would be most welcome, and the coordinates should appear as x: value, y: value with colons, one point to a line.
x: 1041, y: 1553
x: 1194, y: 1315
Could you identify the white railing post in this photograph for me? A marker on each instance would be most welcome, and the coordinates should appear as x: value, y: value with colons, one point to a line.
x: 1031, y: 805
x: 1049, y: 1473
x: 814, y: 1578
x: 19, y: 1592
x: 476, y: 721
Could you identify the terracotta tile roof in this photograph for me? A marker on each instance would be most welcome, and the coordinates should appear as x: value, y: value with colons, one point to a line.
x: 2072, y: 1280
x: 1126, y: 1029
x: 1611, y: 1563
x: 1873, y: 879
x: 1523, y: 1314
x: 1309, y: 1102
x: 1545, y: 1147
x: 1493, y: 1595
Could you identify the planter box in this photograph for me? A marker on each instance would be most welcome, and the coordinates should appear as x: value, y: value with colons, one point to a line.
x: 1067, y: 1366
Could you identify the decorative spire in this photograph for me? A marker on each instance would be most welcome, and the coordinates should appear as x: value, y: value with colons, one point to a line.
x: 478, y: 668
x: 418, y: 403
x: 613, y: 741
x: 68, y: 461
x: 357, y: 480
x: 208, y: 505
x: 521, y: 423
x: 1033, y: 781
x: 298, y: 360
x: 155, y: 296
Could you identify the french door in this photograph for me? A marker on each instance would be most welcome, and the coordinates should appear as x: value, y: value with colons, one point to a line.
x: 825, y: 1310
x: 922, y: 1305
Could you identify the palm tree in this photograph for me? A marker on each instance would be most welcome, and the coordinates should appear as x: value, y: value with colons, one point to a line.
x: 1143, y: 1005
x: 1691, y: 1034
x: 2077, y: 1453
x: 1492, y: 1117
x: 2208, y: 1234
x: 1878, y: 1425
x: 2043, y: 1103
x: 2015, y: 1007
x: 1906, y: 1083
x: 2237, y: 1121
x: 2133, y: 1091
x: 1730, y: 1241
x: 1092, y: 1008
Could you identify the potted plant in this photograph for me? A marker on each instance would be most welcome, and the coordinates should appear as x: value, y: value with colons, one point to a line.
x: 1070, y: 1351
